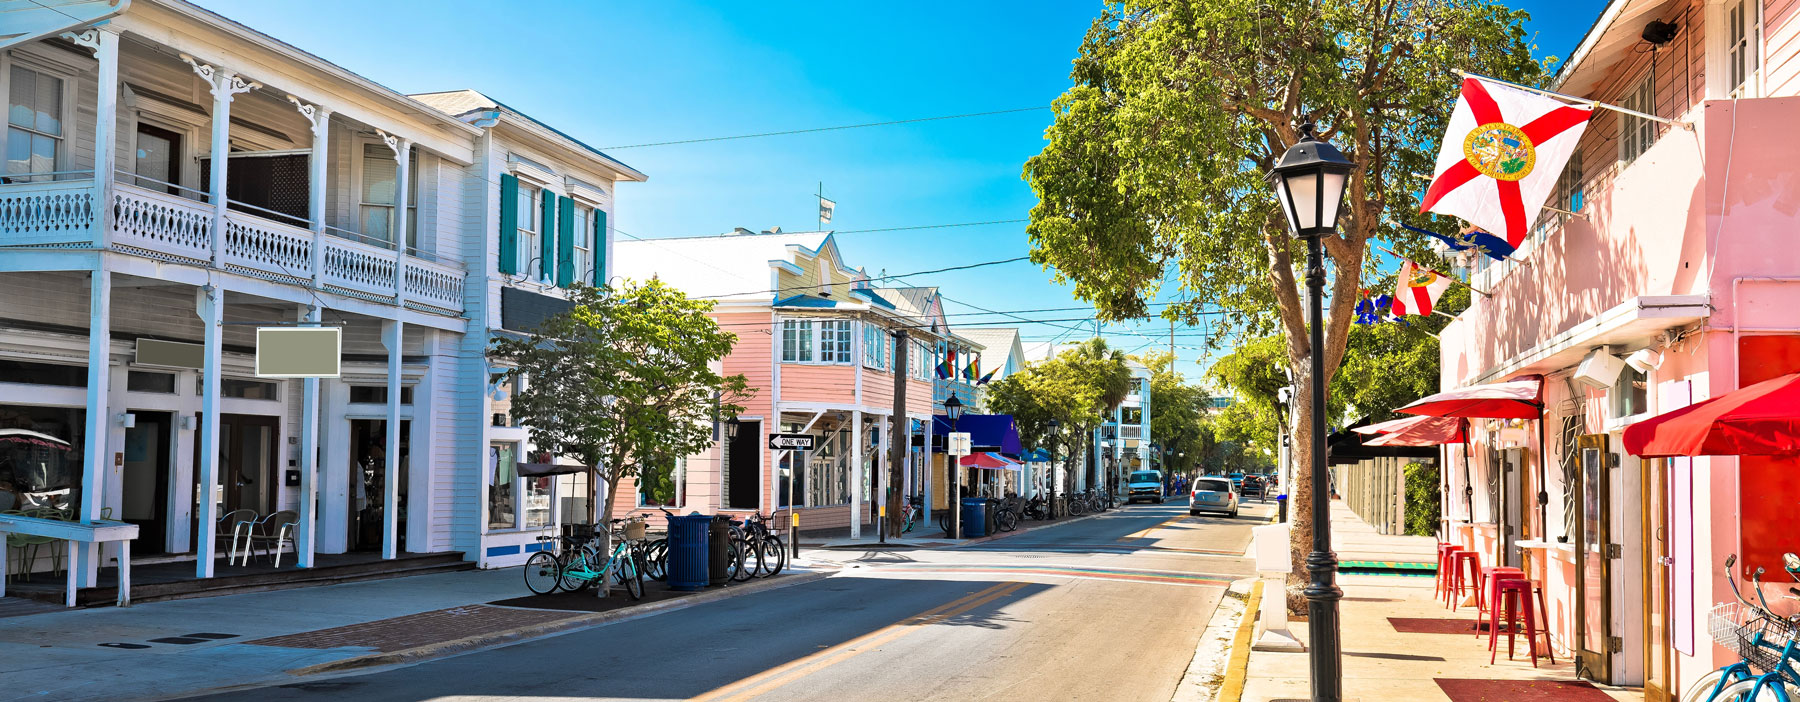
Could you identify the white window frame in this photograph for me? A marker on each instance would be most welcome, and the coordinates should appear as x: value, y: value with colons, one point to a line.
x: 836, y: 342
x: 804, y: 339
x: 584, y: 244
x: 409, y: 238
x: 68, y: 77
x: 1636, y: 134
x: 531, y: 239
x: 1743, y: 30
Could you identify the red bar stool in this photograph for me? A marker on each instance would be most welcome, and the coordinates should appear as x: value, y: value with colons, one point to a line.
x: 1465, y: 574
x: 1442, y: 586
x: 1485, y: 592
x: 1515, y: 596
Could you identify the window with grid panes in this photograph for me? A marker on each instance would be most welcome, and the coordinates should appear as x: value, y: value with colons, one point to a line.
x: 584, y: 247
x: 530, y: 245
x: 796, y: 341
x: 834, y: 341
x: 1636, y: 134
x: 1740, y: 61
x: 34, y: 124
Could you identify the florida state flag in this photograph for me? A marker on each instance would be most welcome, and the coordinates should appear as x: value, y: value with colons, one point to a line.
x: 1501, y: 157
x: 1418, y: 290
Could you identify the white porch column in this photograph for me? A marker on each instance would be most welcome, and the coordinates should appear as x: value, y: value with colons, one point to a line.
x: 105, y: 45
x: 392, y: 331
x: 856, y: 473
x: 99, y: 419
x: 403, y: 173
x: 317, y: 163
x: 224, y: 85
x: 929, y: 461
x: 305, y: 537
x: 210, y: 305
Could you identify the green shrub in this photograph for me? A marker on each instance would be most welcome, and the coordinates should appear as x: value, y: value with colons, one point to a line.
x: 1422, y: 499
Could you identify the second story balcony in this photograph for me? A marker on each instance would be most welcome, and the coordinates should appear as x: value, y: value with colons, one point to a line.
x: 314, y: 195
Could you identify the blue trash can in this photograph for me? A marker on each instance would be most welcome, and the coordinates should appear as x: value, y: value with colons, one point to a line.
x: 974, y: 517
x: 687, y: 552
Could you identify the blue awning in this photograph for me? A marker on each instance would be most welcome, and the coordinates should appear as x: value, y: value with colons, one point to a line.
x: 987, y: 432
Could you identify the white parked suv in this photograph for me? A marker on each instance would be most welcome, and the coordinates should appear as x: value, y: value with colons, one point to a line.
x: 1213, y: 495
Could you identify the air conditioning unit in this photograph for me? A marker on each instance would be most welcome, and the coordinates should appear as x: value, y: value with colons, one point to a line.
x: 1599, y: 370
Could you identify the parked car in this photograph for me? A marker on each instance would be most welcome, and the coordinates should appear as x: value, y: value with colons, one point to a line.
x: 1145, y: 485
x: 1213, y: 495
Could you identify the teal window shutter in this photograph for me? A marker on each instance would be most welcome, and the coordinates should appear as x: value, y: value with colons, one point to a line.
x: 509, y: 224
x: 599, y: 247
x: 565, y: 242
x: 547, y: 266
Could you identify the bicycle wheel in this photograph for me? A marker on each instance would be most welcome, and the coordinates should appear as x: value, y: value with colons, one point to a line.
x: 656, y: 560
x: 543, y: 575
x: 1702, y: 689
x: 633, y: 577
x: 771, y: 557
x: 1076, y: 508
x: 1740, y: 692
x: 582, y: 560
x: 741, y: 570
x: 1007, y: 520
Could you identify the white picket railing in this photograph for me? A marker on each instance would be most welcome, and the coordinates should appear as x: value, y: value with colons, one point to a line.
x: 161, y: 225
x: 173, y: 228
x: 47, y: 212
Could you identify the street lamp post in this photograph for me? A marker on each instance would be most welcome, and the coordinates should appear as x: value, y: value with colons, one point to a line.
x: 1309, y: 180
x: 953, y: 409
x: 1055, y: 434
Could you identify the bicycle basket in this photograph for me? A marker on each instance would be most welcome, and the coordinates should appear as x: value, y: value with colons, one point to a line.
x: 634, y: 531
x: 1757, y: 638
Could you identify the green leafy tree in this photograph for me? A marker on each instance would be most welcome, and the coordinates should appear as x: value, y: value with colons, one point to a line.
x: 1076, y: 388
x: 1159, y: 154
x: 621, y: 381
x: 1178, y: 412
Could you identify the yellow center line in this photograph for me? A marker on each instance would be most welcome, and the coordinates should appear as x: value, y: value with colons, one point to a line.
x: 1145, y: 534
x: 779, y: 676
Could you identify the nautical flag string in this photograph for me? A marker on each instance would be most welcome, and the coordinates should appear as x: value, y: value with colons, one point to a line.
x: 1502, y: 155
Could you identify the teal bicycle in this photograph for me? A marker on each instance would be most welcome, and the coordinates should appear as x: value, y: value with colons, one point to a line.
x: 581, y: 566
x: 1765, y: 643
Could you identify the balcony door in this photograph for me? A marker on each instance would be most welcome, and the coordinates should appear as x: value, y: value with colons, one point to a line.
x: 271, y: 185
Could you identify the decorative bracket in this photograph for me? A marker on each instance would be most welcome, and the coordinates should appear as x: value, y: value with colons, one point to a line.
x: 400, y: 146
x: 318, y: 117
x: 224, y: 83
x: 89, y: 38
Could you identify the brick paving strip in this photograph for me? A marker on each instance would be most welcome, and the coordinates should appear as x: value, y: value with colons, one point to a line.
x: 414, y: 630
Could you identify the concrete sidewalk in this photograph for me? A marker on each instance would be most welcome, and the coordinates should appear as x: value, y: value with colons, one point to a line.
x: 1381, y: 662
x: 922, y: 536
x: 177, y: 648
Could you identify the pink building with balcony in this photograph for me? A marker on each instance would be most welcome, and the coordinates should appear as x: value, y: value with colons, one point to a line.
x: 1679, y: 258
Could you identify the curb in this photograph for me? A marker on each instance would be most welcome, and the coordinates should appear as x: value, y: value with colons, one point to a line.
x: 583, y: 621
x: 1200, y: 682
x: 1238, y: 669
x: 1016, y: 532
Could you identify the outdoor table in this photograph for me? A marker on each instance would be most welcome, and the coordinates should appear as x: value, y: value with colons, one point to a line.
x: 97, y: 531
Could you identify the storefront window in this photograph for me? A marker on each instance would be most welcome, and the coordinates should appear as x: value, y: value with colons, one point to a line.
x: 40, y: 458
x: 828, y: 473
x: 537, y: 501
x: 503, y: 471
x: 661, y: 487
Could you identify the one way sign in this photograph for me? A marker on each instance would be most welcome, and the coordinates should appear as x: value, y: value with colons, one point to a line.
x: 792, y: 442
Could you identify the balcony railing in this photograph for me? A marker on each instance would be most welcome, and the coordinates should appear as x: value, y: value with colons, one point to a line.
x: 156, y: 224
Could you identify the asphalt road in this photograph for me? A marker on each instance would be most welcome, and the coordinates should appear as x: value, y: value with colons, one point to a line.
x: 1106, y: 608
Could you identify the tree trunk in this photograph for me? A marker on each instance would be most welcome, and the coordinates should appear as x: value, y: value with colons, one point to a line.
x: 1300, y: 495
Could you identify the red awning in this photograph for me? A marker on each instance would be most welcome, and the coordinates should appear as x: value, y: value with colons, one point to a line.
x: 1760, y: 420
x: 1388, y: 427
x: 1427, y: 431
x: 988, y: 460
x: 1515, y: 399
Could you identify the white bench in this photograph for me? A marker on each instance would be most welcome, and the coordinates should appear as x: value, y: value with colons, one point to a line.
x: 98, y: 531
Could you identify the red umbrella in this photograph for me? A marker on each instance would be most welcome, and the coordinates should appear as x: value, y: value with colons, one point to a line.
x: 1424, y: 431
x: 1760, y: 420
x: 1516, y: 399
x: 986, y: 460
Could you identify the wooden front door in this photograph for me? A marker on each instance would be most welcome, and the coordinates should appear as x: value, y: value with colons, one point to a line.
x: 1594, y: 641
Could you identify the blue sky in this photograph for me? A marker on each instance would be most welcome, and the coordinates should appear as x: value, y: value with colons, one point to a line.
x: 619, y: 73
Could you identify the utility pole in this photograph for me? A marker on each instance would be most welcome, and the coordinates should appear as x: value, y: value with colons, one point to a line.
x: 899, y: 441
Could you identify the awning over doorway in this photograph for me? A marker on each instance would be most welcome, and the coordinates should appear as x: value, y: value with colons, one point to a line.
x: 1420, y: 431
x: 987, y: 432
x: 989, y: 459
x: 538, y: 470
x: 1760, y: 420
x: 1514, y: 399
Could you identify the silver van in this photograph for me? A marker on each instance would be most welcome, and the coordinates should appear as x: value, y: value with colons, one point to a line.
x: 1213, y: 495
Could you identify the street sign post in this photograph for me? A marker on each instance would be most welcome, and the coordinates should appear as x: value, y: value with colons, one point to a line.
x: 792, y: 442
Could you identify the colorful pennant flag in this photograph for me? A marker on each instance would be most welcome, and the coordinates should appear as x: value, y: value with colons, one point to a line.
x: 989, y: 377
x: 1418, y: 289
x: 973, y: 370
x: 1471, y: 237
x: 1501, y: 157
x: 947, y: 369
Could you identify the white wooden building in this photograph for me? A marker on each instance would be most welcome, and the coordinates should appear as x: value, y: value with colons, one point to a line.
x: 135, y: 268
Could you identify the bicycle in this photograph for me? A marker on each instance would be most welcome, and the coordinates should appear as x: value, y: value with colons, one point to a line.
x: 766, y: 545
x: 1006, y: 513
x: 546, y: 571
x: 909, y: 513
x: 1763, y: 641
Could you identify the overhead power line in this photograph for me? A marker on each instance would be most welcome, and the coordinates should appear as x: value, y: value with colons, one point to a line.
x: 828, y: 129
x: 928, y: 226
